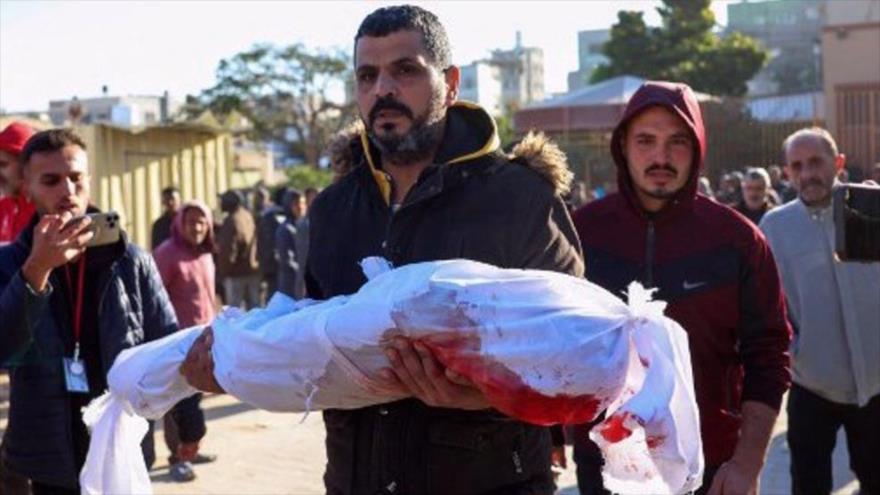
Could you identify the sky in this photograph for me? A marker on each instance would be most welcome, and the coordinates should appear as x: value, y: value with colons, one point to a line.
x: 59, y: 49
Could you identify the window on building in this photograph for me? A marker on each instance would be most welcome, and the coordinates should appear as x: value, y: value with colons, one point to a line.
x: 858, y: 123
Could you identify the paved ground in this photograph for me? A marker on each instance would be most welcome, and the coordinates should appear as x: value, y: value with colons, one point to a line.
x: 267, y: 453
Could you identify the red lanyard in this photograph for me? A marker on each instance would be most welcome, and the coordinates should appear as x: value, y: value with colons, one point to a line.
x: 76, y: 301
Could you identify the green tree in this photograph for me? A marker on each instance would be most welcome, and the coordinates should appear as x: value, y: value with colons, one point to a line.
x: 683, y: 48
x: 632, y: 44
x: 284, y: 91
x: 302, y: 177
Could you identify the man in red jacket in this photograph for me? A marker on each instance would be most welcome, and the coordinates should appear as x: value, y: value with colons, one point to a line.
x: 15, y: 212
x: 15, y: 209
x: 711, y: 265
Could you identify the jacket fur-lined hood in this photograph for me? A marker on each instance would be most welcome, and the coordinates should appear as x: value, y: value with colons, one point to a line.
x: 534, y: 150
x: 544, y: 156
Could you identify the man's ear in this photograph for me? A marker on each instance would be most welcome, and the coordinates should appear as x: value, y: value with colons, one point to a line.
x: 839, y: 162
x: 452, y: 75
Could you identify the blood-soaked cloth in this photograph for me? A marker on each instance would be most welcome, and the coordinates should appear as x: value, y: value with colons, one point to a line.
x: 543, y: 347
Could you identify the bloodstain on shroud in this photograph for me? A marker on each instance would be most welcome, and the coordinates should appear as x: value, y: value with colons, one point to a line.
x: 504, y: 389
x: 613, y: 430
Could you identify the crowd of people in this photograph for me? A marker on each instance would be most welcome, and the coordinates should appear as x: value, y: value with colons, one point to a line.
x: 749, y: 273
x: 261, y: 243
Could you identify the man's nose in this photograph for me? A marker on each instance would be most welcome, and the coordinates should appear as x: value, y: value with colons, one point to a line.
x: 661, y: 155
x: 70, y: 185
x: 385, y: 85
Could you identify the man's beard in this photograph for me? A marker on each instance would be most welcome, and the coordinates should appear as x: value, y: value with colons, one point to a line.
x: 661, y: 193
x: 822, y: 198
x: 419, y: 143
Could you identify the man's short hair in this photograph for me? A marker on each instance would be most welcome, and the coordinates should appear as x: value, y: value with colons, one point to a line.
x: 760, y: 174
x: 291, y: 196
x: 387, y: 20
x: 817, y: 132
x: 168, y: 191
x: 50, y: 141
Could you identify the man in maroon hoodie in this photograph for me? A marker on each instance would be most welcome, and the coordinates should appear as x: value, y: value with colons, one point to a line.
x: 15, y: 209
x: 713, y: 268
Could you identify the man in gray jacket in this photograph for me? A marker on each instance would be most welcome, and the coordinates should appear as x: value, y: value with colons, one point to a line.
x: 835, y: 309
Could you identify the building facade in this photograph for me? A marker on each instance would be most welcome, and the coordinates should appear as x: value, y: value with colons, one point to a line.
x: 130, y: 111
x: 851, y: 58
x: 481, y: 83
x: 591, y: 44
x: 521, y: 71
x: 791, y: 31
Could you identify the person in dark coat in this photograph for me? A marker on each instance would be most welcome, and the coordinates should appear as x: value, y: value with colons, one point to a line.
x: 273, y: 215
x: 288, y: 245
x: 429, y: 182
x: 161, y: 229
x: 67, y: 310
x: 757, y: 199
x: 237, y: 264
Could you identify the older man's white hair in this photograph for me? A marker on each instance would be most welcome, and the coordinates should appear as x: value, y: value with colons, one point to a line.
x: 811, y: 132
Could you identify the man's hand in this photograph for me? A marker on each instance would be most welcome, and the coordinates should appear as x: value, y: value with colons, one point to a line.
x: 198, y: 367
x: 557, y: 457
x: 735, y: 478
x: 558, y: 461
x: 58, y: 239
x: 740, y: 475
x: 414, y: 371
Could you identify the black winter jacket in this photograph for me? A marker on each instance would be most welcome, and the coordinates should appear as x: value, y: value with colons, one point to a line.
x: 475, y: 203
x: 35, y: 333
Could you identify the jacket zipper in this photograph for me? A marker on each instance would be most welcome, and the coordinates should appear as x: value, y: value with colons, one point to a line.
x: 649, y: 255
x: 390, y: 210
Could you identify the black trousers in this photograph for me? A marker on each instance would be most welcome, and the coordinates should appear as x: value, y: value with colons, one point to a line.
x: 812, y: 432
x: 38, y: 488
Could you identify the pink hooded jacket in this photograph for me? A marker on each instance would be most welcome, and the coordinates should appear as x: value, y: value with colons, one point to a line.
x: 188, y: 272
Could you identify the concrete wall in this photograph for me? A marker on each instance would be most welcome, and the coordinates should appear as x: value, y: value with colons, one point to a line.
x: 851, y: 63
x: 129, y: 170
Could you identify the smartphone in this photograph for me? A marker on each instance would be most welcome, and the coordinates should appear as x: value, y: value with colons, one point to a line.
x: 857, y: 222
x: 106, y: 227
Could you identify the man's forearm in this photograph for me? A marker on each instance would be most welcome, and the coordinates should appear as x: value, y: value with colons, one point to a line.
x: 757, y: 428
x: 36, y: 275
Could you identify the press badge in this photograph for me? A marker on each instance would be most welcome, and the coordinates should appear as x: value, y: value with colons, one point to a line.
x: 75, y: 375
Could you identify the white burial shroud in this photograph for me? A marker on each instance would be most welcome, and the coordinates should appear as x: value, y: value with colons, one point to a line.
x: 544, y: 347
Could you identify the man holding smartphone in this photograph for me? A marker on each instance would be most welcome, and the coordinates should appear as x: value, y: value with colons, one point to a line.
x: 68, y: 309
x: 834, y: 308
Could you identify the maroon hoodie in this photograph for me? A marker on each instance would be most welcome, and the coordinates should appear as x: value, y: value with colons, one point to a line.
x: 710, y: 264
x: 188, y: 271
